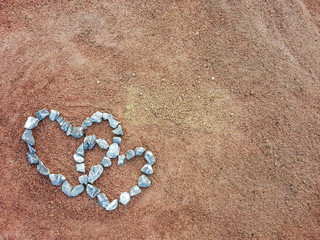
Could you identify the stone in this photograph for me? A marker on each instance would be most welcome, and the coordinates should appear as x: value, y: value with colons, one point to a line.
x: 139, y: 151
x: 117, y: 140
x: 33, y: 158
x: 92, y: 191
x: 118, y: 131
x: 77, y: 190
x: 106, y: 116
x: 144, y: 181
x: 77, y: 132
x: 113, y: 123
x: 31, y: 123
x: 106, y: 162
x: 86, y: 123
x: 60, y: 121
x: 31, y: 149
x: 66, y: 188
x: 80, y: 150
x: 121, y: 160
x: 65, y: 126
x: 147, y: 169
x: 81, y: 167
x: 103, y: 200
x: 124, y: 198
x: 149, y: 157
x: 42, y: 169
x: 135, y: 190
x: 28, y: 137
x: 96, y: 117
x: 78, y: 158
x: 83, y: 179
x: 56, y: 179
x: 113, y: 151
x: 69, y: 130
x: 43, y: 113
x: 89, y: 141
x: 53, y: 115
x: 102, y: 143
x: 130, y: 154
x: 95, y: 173
x: 113, y: 205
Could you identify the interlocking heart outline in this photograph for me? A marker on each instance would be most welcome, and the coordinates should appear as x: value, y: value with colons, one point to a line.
x: 88, y: 143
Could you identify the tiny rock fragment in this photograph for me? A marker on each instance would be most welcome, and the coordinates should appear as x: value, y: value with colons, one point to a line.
x: 54, y: 115
x: 69, y: 130
x: 124, y: 198
x: 130, y: 154
x: 81, y: 167
x: 102, y: 143
x: 28, y: 137
x: 77, y: 190
x: 149, y: 157
x: 80, y: 150
x: 106, y: 162
x: 66, y: 188
x: 118, y: 131
x: 56, y: 179
x: 113, y: 151
x: 139, y: 151
x: 95, y: 173
x: 31, y: 123
x: 135, y: 190
x: 106, y: 116
x: 113, y: 205
x: 78, y: 158
x: 96, y: 117
x: 144, y: 181
x: 86, y: 123
x: 117, y: 140
x: 147, y: 169
x: 33, y: 158
x: 65, y: 126
x: 92, y: 191
x: 43, y: 113
x: 43, y: 169
x: 83, y: 179
x: 103, y: 200
x: 77, y: 132
x: 31, y: 149
x: 60, y: 121
x: 121, y: 160
x: 89, y: 141
x: 113, y: 123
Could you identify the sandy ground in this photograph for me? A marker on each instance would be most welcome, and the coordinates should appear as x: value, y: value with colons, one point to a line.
x: 225, y: 93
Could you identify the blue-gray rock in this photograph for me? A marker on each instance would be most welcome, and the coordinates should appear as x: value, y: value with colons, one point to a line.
x: 96, y: 117
x: 124, y: 198
x: 103, y: 200
x: 42, y: 169
x: 66, y: 188
x: 106, y: 162
x: 113, y: 123
x: 69, y: 130
x: 135, y: 190
x: 78, y: 158
x: 83, y: 179
x: 117, y: 140
x: 80, y: 150
x: 54, y: 115
x: 89, y: 141
x: 77, y: 190
x: 33, y: 158
x: 56, y: 179
x: 43, y: 113
x: 95, y: 173
x: 31, y: 123
x: 102, y: 143
x: 147, y: 169
x: 28, y: 137
x: 106, y: 116
x: 92, y: 191
x: 81, y: 167
x: 130, y: 154
x: 149, y: 157
x: 65, y: 126
x: 31, y: 149
x: 113, y: 205
x: 139, y: 151
x: 60, y: 120
x: 121, y: 160
x: 118, y: 131
x: 113, y: 151
x: 86, y: 123
x: 77, y: 132
x: 144, y: 181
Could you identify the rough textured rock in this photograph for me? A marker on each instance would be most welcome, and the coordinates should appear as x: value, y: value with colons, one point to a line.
x: 103, y: 200
x: 33, y: 158
x: 69, y: 130
x: 113, y: 123
x: 102, y: 143
x: 31, y: 149
x: 86, y: 123
x: 80, y: 150
x: 77, y: 132
x: 60, y: 120
x: 92, y: 191
x: 118, y: 131
x: 139, y: 151
x: 81, y: 167
x: 66, y: 188
x: 124, y: 198
x: 149, y: 157
x: 53, y: 115
x: 83, y: 179
x: 113, y: 151
x: 121, y: 160
x: 43, y: 113
x: 113, y: 205
x: 78, y: 158
x: 42, y: 169
x: 144, y: 181
x: 135, y: 190
x: 147, y: 169
x: 96, y: 117
x: 28, y: 137
x: 106, y: 116
x: 31, y: 123
x: 77, y: 190
x: 89, y: 141
x: 106, y: 162
x: 65, y: 126
x: 56, y: 179
x: 117, y: 140
x: 130, y: 154
x: 95, y: 173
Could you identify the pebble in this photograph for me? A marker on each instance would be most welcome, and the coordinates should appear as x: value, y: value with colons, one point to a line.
x: 42, y: 169
x: 144, y: 181
x: 103, y: 200
x: 92, y: 191
x: 86, y: 123
x: 60, y: 121
x: 31, y: 149
x: 139, y: 151
x: 66, y: 188
x: 54, y: 115
x: 43, y: 113
x: 117, y: 140
x: 80, y: 150
x: 83, y: 179
x: 106, y: 116
x: 77, y: 132
x: 77, y: 190
x: 31, y: 123
x: 135, y: 190
x: 124, y: 198
x: 106, y: 162
x: 130, y: 154
x: 121, y: 160
x: 113, y: 205
x: 78, y: 158
x: 149, y: 157
x: 147, y: 169
x: 69, y: 130
x: 89, y: 141
x: 113, y: 151
x: 27, y: 136
x: 56, y: 179
x: 113, y: 123
x: 65, y: 126
x: 96, y: 117
x: 118, y: 131
x: 95, y: 173
x: 102, y: 143
x: 33, y: 158
x: 81, y: 167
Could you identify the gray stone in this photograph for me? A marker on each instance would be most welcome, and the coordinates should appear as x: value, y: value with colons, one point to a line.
x: 102, y: 143
x: 77, y: 190
x: 31, y: 149
x: 121, y: 160
x: 81, y: 167
x: 54, y: 115
x: 78, y: 158
x: 139, y: 151
x: 42, y: 169
x: 124, y: 198
x: 66, y: 188
x: 96, y: 117
x: 149, y: 157
x: 118, y: 131
x: 28, y: 137
x: 65, y: 126
x: 86, y: 123
x: 130, y: 154
x: 95, y: 173
x: 56, y: 179
x: 77, y: 132
x: 117, y: 140
x: 106, y: 116
x: 106, y: 162
x: 43, y: 113
x: 80, y: 150
x: 92, y: 191
x: 83, y: 179
x: 60, y: 120
x: 33, y: 158
x: 31, y: 123
x: 113, y: 205
x: 135, y: 190
x: 113, y: 151
x: 144, y: 181
x: 147, y: 169
x: 89, y: 141
x: 69, y: 130
x: 103, y: 200
x: 113, y: 123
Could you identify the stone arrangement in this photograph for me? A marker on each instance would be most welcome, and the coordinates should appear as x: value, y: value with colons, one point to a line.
x: 87, y: 181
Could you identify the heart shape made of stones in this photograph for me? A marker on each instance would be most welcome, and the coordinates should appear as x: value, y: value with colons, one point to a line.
x: 88, y: 143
